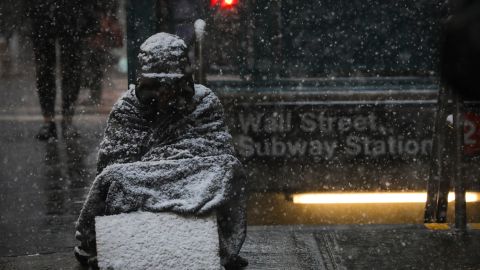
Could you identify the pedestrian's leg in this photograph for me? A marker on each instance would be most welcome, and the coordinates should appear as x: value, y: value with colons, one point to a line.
x: 70, y: 56
x: 44, y: 51
x: 97, y: 68
x: 5, y: 59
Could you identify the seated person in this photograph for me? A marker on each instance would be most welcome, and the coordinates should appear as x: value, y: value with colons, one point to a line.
x: 166, y: 148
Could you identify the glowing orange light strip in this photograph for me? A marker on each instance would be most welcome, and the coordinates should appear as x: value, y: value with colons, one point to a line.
x: 372, y: 197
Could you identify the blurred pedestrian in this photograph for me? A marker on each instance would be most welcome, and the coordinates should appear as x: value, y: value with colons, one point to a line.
x: 183, y: 13
x: 63, y: 22
x: 106, y: 33
x: 460, y: 55
x: 11, y: 17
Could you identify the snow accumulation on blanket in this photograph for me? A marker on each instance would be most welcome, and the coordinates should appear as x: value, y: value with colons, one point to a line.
x: 185, y: 165
x: 181, y: 164
x: 167, y: 157
x: 125, y: 241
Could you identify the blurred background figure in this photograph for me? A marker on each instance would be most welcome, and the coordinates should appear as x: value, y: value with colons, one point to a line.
x: 65, y: 23
x: 460, y: 54
x: 5, y: 59
x: 11, y: 16
x: 174, y: 17
x: 183, y: 14
x: 105, y: 33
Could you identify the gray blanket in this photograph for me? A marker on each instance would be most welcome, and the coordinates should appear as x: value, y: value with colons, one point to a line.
x: 181, y: 162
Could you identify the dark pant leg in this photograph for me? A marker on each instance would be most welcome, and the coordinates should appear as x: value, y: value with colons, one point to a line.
x: 44, y: 50
x: 232, y: 227
x: 70, y: 58
x: 97, y: 69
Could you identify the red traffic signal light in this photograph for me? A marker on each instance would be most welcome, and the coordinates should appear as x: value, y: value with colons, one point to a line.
x: 224, y: 4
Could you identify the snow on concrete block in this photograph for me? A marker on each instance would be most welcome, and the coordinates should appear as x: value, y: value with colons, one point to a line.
x: 144, y: 240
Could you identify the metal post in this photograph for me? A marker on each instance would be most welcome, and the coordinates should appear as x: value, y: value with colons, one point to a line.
x: 200, y: 76
x: 446, y: 168
x: 438, y: 156
x: 460, y: 202
x: 443, y: 190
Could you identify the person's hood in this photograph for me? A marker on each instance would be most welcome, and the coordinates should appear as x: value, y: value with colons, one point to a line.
x: 163, y: 55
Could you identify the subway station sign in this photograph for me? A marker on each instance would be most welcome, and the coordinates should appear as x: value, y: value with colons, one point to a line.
x: 339, y: 130
x: 319, y: 134
x: 330, y: 140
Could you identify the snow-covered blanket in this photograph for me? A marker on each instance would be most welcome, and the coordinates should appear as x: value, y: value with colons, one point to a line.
x: 182, y: 162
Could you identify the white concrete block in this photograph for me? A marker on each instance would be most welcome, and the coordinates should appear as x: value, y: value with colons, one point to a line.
x: 144, y: 240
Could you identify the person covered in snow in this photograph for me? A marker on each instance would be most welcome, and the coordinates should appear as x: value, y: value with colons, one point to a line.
x: 166, y: 148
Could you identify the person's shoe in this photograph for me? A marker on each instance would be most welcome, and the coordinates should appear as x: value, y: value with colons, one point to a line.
x: 47, y: 131
x: 85, y: 258
x: 82, y: 256
x: 93, y: 263
x: 69, y: 131
x: 235, y: 263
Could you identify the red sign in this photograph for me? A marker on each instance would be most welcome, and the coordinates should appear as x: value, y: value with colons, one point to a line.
x: 472, y: 133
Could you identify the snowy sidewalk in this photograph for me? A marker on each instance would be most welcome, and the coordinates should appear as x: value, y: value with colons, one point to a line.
x: 360, y: 247
x: 327, y: 247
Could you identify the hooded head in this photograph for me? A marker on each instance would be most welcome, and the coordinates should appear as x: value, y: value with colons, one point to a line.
x: 164, y: 73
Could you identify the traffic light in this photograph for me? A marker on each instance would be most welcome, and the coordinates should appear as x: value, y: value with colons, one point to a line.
x: 224, y: 4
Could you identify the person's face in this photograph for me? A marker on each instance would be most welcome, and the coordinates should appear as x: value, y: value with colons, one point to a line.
x: 156, y: 93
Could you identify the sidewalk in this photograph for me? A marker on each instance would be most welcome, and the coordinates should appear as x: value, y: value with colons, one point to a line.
x: 43, y: 186
x: 380, y: 247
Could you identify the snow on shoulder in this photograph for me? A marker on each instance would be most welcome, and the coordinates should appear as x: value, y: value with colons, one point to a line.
x: 201, y: 92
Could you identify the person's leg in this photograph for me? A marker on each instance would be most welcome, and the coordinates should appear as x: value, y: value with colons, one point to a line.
x: 5, y: 58
x: 70, y: 56
x: 97, y: 68
x: 232, y: 229
x: 44, y: 52
x: 94, y: 206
